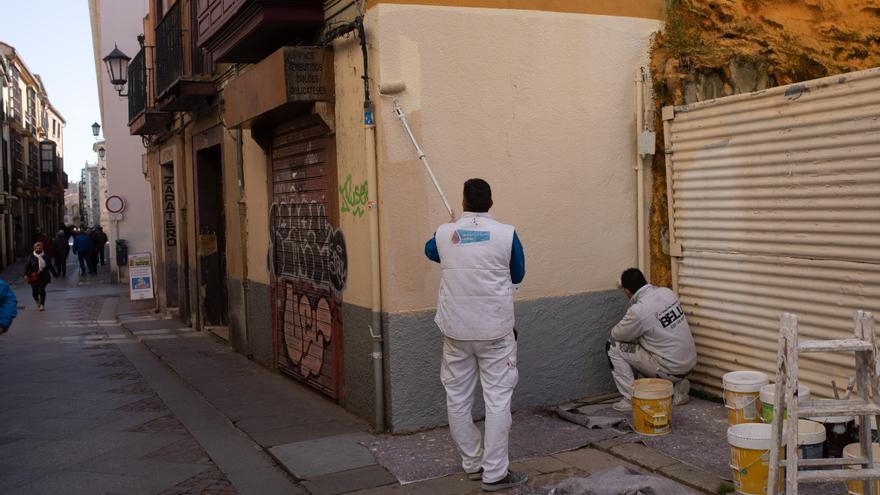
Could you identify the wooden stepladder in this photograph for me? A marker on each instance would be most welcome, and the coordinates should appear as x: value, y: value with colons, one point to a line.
x: 785, y: 433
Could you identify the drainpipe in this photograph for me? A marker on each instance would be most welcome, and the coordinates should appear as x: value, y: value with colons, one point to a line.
x: 640, y: 168
x: 242, y: 222
x: 376, y: 331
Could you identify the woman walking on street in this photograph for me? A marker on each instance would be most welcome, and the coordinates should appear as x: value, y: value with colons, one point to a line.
x: 37, y: 271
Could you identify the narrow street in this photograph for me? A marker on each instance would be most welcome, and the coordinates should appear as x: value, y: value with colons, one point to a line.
x: 103, y: 396
x: 86, y: 407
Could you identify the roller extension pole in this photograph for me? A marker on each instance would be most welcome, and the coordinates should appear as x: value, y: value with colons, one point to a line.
x: 398, y: 111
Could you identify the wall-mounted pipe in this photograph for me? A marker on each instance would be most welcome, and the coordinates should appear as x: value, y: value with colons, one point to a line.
x: 376, y: 330
x: 640, y: 170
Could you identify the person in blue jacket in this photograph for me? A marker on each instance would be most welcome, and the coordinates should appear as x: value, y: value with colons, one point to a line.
x: 82, y: 246
x: 8, y: 307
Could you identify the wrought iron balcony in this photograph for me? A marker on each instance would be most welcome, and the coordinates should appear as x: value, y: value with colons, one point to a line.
x: 169, y: 50
x: 137, y: 86
x: 143, y: 119
x: 180, y: 84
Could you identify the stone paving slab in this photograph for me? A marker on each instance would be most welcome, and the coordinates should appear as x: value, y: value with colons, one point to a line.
x: 349, y: 481
x: 315, y: 458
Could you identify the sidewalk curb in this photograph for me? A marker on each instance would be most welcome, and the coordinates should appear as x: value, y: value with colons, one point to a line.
x: 659, y: 463
x: 282, y: 468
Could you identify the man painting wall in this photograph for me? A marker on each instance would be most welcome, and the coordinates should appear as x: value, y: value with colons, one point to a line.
x: 481, y: 260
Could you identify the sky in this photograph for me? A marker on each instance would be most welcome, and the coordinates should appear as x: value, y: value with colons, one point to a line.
x: 54, y: 38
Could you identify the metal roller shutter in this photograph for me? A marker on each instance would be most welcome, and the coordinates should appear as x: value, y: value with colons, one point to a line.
x: 774, y: 207
x: 305, y: 246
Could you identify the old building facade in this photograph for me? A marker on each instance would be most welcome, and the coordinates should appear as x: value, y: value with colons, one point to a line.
x: 118, y: 23
x: 290, y: 209
x: 31, y: 157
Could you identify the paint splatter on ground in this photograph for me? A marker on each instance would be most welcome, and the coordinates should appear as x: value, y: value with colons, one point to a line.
x: 432, y: 454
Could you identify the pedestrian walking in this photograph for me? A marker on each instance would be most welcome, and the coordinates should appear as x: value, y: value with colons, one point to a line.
x: 93, y: 254
x: 82, y: 247
x: 8, y: 307
x: 38, y: 272
x: 101, y: 242
x: 480, y: 260
x: 60, y: 249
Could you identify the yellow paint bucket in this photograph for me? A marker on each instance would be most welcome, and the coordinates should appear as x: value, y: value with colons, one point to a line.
x: 852, y: 451
x: 742, y: 390
x: 652, y: 406
x: 749, y: 457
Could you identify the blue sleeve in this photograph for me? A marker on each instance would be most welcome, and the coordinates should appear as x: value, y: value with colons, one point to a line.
x: 8, y: 305
x: 431, y: 250
x: 517, y: 261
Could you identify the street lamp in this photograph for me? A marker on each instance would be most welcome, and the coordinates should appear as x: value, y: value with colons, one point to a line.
x: 101, y: 152
x: 103, y: 171
x: 96, y: 129
x: 117, y: 66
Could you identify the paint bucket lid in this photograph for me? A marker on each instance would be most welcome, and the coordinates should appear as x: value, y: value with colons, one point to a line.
x: 834, y: 419
x: 854, y: 450
x: 744, y: 381
x: 810, y: 432
x: 750, y: 436
x: 652, y: 388
x: 768, y: 393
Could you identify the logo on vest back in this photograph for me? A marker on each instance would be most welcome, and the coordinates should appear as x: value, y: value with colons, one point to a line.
x: 462, y: 236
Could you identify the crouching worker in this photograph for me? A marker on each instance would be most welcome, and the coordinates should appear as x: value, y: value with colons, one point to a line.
x: 653, y: 340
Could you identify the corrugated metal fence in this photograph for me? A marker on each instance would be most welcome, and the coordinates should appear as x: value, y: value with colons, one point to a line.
x: 775, y: 206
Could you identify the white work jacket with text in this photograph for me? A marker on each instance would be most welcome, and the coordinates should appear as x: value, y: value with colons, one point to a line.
x: 656, y: 321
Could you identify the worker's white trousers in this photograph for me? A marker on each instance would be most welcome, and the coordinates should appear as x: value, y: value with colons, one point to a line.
x: 629, y: 360
x: 495, y: 361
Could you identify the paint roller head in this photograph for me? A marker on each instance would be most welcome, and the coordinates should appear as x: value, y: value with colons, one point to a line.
x: 391, y: 88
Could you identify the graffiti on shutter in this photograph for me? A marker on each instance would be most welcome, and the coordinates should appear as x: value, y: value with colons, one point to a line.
x: 310, y: 262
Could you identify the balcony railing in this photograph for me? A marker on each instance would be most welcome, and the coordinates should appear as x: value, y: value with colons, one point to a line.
x: 137, y: 85
x: 169, y: 50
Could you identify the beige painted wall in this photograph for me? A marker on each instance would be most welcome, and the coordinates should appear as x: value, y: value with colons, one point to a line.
x: 256, y: 185
x: 351, y: 162
x: 539, y: 104
x: 235, y: 255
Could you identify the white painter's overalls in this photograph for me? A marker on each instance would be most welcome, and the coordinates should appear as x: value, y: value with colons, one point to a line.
x: 475, y: 314
x: 652, y: 340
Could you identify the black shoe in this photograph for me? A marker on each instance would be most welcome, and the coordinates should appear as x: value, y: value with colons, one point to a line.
x: 476, y: 475
x: 511, y: 480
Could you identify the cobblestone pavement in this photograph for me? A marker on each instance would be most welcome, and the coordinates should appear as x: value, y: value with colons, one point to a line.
x: 77, y: 417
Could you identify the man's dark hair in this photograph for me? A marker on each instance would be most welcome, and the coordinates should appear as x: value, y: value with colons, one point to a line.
x: 477, y: 195
x: 632, y: 280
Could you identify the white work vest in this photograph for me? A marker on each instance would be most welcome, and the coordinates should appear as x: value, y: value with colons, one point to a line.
x: 476, y: 292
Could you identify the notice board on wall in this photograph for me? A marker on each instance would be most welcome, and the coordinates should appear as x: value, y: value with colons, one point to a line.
x: 140, y: 276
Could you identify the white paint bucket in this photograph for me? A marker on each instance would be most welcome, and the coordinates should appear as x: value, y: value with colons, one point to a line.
x: 768, y: 393
x: 741, y: 394
x: 853, y: 451
x: 811, y: 439
x: 749, y: 457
